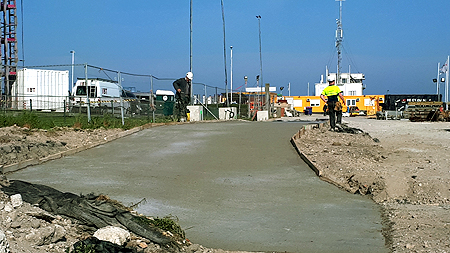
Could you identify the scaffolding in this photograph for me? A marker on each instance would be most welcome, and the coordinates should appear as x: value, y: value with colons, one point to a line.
x: 8, y: 52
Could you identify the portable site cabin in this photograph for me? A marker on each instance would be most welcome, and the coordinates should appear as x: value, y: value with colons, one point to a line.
x: 351, y: 85
x: 165, y: 95
x: 40, y: 89
x: 371, y: 104
x: 165, y: 102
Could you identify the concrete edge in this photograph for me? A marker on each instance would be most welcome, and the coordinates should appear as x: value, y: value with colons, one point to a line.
x: 5, y: 169
x: 36, y: 161
x: 311, y: 164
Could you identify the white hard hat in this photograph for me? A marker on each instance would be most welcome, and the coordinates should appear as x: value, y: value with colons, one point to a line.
x: 331, y: 79
x: 190, y: 75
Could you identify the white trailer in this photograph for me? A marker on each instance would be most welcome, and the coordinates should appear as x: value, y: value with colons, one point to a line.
x: 40, y: 89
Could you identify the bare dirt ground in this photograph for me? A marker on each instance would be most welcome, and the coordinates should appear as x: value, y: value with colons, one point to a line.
x: 21, y: 144
x: 403, y: 165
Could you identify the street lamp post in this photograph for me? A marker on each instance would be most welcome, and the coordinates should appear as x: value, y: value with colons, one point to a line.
x: 73, y: 62
x: 257, y: 92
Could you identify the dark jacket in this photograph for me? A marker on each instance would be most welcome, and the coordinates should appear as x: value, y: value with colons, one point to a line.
x: 183, y: 85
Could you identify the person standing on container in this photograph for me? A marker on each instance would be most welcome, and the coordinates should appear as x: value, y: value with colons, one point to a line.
x: 183, y: 95
x: 330, y: 95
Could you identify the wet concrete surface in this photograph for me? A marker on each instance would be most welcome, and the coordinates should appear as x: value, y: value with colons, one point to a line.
x: 232, y: 185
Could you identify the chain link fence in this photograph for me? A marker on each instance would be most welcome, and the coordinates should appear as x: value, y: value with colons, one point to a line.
x: 93, y: 90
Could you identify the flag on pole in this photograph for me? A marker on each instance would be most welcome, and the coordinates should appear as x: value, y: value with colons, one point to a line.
x: 444, y: 68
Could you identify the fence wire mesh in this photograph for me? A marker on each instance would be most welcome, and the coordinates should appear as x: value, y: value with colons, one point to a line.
x: 84, y: 88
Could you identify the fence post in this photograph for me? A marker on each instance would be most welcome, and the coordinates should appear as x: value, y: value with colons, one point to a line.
x: 216, y: 95
x: 31, y: 105
x: 121, y: 99
x: 87, y: 92
x: 64, y: 109
x: 148, y: 111
x: 240, y: 101
x: 151, y: 99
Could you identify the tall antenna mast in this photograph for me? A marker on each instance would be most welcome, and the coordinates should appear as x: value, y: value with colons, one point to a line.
x: 8, y: 45
x: 339, y: 38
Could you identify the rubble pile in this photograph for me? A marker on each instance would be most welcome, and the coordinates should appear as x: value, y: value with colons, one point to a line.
x: 28, y: 150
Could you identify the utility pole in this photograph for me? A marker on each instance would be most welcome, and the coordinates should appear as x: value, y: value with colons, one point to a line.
x: 339, y: 38
x: 260, y: 51
x: 190, y: 55
x: 224, y: 54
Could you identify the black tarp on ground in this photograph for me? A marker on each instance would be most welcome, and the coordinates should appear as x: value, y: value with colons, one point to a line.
x: 93, y: 244
x: 87, y: 210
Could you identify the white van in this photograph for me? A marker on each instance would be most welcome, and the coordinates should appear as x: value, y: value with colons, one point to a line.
x: 99, y: 90
x: 102, y: 93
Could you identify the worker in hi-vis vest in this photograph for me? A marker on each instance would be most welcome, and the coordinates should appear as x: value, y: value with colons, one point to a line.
x: 330, y: 95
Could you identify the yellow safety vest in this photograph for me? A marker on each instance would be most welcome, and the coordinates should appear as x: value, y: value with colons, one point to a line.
x: 331, y: 90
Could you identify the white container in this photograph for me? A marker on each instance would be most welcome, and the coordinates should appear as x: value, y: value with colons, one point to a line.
x: 262, y: 115
x: 227, y: 113
x: 41, y: 89
x: 195, y: 113
x: 224, y: 113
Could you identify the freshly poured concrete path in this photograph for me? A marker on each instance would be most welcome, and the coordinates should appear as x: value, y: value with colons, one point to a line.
x: 232, y: 185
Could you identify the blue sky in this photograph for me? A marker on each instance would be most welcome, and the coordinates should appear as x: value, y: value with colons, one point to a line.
x: 396, y: 44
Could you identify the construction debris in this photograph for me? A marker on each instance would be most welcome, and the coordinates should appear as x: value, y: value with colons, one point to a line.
x: 424, y: 111
x: 89, y: 210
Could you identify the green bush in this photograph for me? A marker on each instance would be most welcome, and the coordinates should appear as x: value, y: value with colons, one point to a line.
x: 50, y: 120
x: 166, y: 223
x: 23, y: 119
